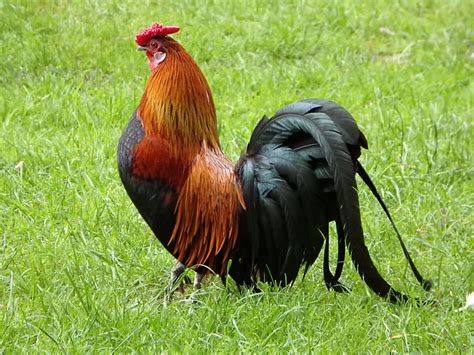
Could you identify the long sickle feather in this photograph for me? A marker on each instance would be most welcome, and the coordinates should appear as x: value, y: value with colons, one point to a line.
x: 427, y: 284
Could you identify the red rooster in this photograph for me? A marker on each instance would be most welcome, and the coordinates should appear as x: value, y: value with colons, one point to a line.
x: 263, y: 218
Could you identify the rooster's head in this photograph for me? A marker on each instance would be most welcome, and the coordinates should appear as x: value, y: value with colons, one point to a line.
x: 155, y: 42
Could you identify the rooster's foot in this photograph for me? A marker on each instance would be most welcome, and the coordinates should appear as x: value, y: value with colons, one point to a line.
x: 176, y: 273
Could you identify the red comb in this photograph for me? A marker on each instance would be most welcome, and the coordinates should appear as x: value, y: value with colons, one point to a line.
x: 154, y: 30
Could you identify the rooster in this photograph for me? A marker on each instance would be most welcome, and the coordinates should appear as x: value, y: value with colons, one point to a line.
x: 264, y: 218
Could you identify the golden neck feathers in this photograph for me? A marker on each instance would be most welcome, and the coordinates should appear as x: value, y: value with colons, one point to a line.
x: 177, y: 104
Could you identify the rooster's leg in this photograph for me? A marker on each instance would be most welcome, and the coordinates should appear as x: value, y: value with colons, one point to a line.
x: 198, y: 279
x: 176, y: 273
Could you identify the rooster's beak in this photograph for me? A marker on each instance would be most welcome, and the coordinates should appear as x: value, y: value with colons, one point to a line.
x: 141, y: 48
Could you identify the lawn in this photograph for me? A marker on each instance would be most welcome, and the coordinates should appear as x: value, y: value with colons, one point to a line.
x: 79, y: 269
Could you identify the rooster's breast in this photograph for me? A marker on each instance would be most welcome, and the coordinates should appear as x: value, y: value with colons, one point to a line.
x: 154, y: 198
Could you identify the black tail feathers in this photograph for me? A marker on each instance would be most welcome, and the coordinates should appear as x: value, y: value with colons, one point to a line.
x: 427, y: 284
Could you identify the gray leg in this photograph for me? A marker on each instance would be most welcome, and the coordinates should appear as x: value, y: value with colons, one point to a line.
x: 176, y: 273
x: 198, y: 279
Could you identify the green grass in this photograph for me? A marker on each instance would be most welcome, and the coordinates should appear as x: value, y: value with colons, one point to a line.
x: 80, y: 271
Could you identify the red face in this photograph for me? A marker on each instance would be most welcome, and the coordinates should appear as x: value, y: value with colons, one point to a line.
x: 155, y: 52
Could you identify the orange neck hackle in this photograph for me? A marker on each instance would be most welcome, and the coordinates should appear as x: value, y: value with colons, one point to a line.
x: 177, y: 104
